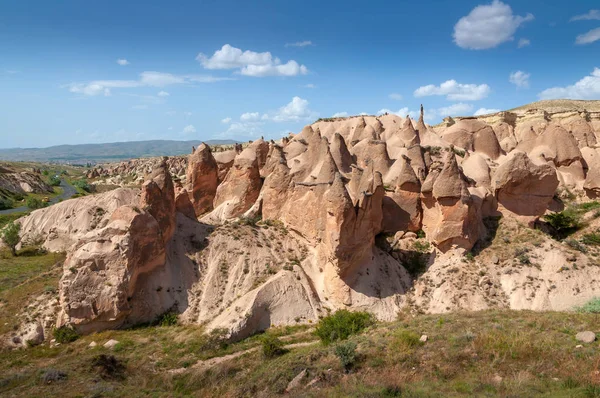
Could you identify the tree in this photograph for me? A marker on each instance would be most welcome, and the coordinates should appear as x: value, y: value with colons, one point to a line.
x: 34, y: 203
x: 10, y: 236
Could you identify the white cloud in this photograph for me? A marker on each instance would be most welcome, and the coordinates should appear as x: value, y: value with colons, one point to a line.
x: 299, y: 44
x: 310, y: 85
x: 122, y: 62
x: 236, y: 129
x: 402, y: 112
x: 395, y: 96
x: 163, y: 94
x: 139, y: 107
x: 523, y: 43
x: 296, y: 110
x: 520, y: 79
x: 227, y: 120
x: 250, y: 63
x: 589, y: 37
x: 485, y: 111
x: 170, y: 128
x: 455, y: 91
x: 488, y: 26
x: 459, y: 109
x: 590, y: 16
x: 340, y: 114
x: 586, y: 88
x: 250, y: 117
x: 189, y: 129
x: 146, y: 79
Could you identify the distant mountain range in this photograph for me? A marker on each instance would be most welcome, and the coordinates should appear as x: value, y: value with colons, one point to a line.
x: 100, y: 153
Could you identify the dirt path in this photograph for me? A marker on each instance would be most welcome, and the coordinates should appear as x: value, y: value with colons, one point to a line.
x: 212, y: 362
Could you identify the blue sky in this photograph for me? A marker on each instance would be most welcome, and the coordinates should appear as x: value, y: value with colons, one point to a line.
x: 79, y: 72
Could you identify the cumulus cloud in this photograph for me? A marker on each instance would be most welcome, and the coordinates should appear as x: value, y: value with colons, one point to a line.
x: 589, y: 37
x: 296, y: 110
x: 237, y: 129
x: 402, y: 112
x: 485, y: 111
x: 189, y: 129
x: 488, y: 26
x: 523, y: 43
x: 455, y: 91
x: 250, y: 63
x: 395, y: 96
x: 299, y: 44
x: 589, y: 16
x: 146, y: 79
x: 454, y: 110
x: 586, y: 88
x: 519, y: 79
x: 122, y: 62
x: 250, y: 117
x: 227, y: 120
x: 163, y: 94
x: 340, y: 114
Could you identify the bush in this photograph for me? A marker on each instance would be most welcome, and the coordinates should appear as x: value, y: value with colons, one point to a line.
x: 342, y: 324
x: 10, y: 236
x: 215, y: 340
x: 6, y: 203
x: 346, y: 353
x: 271, y: 346
x: 168, y: 319
x: 591, y: 307
x: 415, y: 263
x: 50, y: 376
x: 83, y: 185
x: 564, y: 223
x: 65, y: 334
x: 34, y: 203
x: 54, y: 181
x: 405, y: 339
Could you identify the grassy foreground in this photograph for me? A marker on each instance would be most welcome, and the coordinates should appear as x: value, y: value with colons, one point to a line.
x: 487, y: 354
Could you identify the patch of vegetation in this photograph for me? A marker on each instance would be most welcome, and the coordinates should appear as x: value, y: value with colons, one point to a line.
x: 10, y: 236
x: 421, y: 234
x: 405, y: 339
x: 415, y: 263
x: 346, y: 353
x: 82, y: 186
x: 342, y: 324
x: 6, y: 203
x: 271, y: 346
x: 108, y: 367
x: 591, y: 239
x: 50, y: 376
x: 250, y: 221
x: 34, y: 203
x: 591, y: 307
x: 65, y: 334
x: 575, y: 244
x: 54, y: 181
x: 169, y: 318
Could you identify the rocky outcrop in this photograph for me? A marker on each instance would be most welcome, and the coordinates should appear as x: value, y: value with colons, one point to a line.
x: 524, y: 188
x: 22, y: 182
x: 202, y: 177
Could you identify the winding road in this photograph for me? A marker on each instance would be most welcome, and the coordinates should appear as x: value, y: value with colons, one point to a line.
x: 68, y: 191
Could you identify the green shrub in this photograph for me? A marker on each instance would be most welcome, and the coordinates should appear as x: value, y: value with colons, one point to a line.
x: 271, y: 346
x: 6, y: 203
x: 54, y: 181
x: 83, y: 185
x: 215, y: 340
x: 10, y: 236
x: 406, y: 339
x: 563, y: 223
x: 65, y: 334
x: 342, y: 324
x: 34, y: 203
x: 346, y: 353
x: 591, y: 307
x: 415, y: 263
x: 168, y: 319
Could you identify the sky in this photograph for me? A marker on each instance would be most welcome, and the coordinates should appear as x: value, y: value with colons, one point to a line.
x: 75, y: 72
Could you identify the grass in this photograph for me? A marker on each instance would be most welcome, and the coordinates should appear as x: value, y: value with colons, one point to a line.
x: 8, y: 218
x: 533, y: 353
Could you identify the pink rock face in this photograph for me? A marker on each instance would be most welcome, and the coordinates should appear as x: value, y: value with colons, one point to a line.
x: 473, y: 135
x: 100, y: 274
x: 523, y: 188
x: 402, y: 207
x: 202, y: 179
x: 158, y: 199
x: 240, y: 189
x: 183, y: 204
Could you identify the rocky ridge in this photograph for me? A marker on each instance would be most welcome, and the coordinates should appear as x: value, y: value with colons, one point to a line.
x: 344, y: 206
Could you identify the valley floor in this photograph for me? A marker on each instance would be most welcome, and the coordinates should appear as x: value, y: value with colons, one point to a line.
x: 494, y: 353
